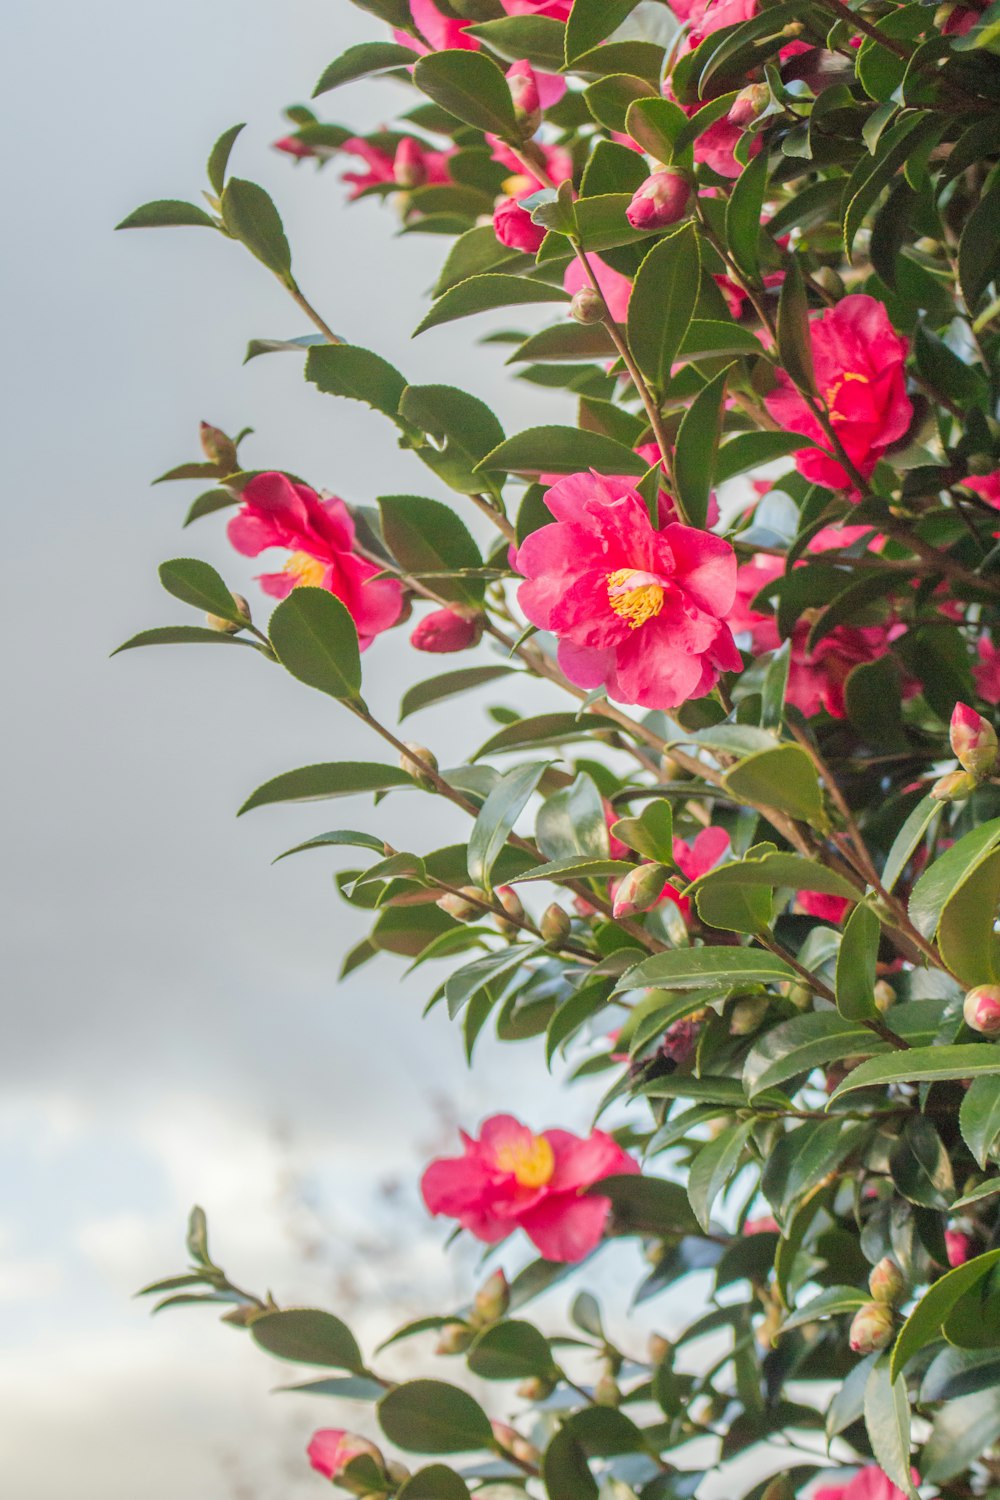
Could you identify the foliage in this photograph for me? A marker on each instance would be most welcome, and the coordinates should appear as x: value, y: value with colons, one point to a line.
x: 738, y: 865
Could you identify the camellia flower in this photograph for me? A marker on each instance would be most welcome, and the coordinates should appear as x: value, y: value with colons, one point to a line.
x: 331, y: 1448
x: 764, y: 1225
x: 446, y: 630
x: 558, y: 9
x: 858, y: 359
x: 294, y: 147
x: 826, y: 908
x: 512, y: 1179
x: 411, y: 165
x: 986, y: 486
x: 640, y: 610
x: 960, y: 1247
x: 868, y: 1483
x: 514, y: 228
x: 660, y: 200
x: 320, y: 536
x: 694, y: 860
x: 987, y: 673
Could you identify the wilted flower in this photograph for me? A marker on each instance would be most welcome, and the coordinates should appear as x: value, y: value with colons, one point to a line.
x: 512, y: 1179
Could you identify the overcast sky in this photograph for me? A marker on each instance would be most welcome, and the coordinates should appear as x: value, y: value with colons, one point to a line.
x: 174, y: 1031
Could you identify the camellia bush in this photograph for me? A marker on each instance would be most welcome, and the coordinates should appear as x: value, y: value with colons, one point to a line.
x: 746, y: 863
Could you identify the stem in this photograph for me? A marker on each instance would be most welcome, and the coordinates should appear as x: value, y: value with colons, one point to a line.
x: 310, y: 312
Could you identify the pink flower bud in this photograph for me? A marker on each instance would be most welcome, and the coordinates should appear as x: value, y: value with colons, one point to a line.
x: 662, y: 199
x: 763, y: 1225
x: 293, y: 147
x: 871, y: 1328
x: 973, y: 740
x: 493, y: 1298
x: 587, y: 306
x: 446, y: 630
x: 514, y: 228
x: 230, y: 627
x: 886, y: 1282
x: 454, y: 1338
x: 555, y: 924
x: 749, y: 104
x: 218, y: 448
x: 459, y: 905
x: 524, y: 92
x: 982, y: 1009
x: 954, y: 787
x: 961, y: 1247
x: 409, y: 168
x: 638, y: 890
x: 331, y: 1448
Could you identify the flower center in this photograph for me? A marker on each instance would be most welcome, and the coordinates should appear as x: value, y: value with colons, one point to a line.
x: 634, y: 595
x: 305, y: 569
x: 834, y: 390
x: 531, y: 1162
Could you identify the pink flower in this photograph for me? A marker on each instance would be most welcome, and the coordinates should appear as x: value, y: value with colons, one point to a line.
x: 763, y: 1225
x: 986, y: 486
x: 293, y: 147
x: 331, y: 1448
x: 442, y: 33
x: 961, y: 1247
x: 523, y: 84
x: 660, y: 200
x: 513, y: 227
x: 411, y: 165
x: 858, y: 359
x: 320, y: 536
x: 617, y: 288
x: 558, y: 162
x: 868, y: 1483
x: 982, y: 1009
x: 987, y: 674
x: 558, y: 9
x: 512, y: 1179
x: 640, y: 610
x: 825, y: 908
x: 695, y: 860
x: 445, y: 630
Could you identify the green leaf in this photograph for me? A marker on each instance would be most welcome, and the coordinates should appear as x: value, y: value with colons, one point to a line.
x: 428, y: 1416
x: 856, y: 965
x: 562, y: 450
x: 542, y: 729
x: 794, y: 342
x: 218, y: 160
x: 571, y: 822
x: 965, y: 934
x: 979, y: 248
x: 463, y: 428
x: 251, y: 217
x: 963, y: 1431
x: 887, y: 1418
x: 497, y: 817
x: 470, y: 86
x: 347, y: 370
x: 925, y: 1321
x: 590, y: 21
x: 511, y: 1350
x: 198, y: 584
x: 565, y: 1469
x: 923, y: 1065
x: 908, y: 839
x: 573, y: 1013
x: 655, y: 124
x: 650, y: 833
x: 610, y: 99
x: 948, y: 873
x: 684, y: 967
x: 745, y: 908
x: 182, y: 635
x: 696, y: 449
x: 785, y: 779
x: 662, y: 304
x: 646, y: 1204
x: 309, y: 1337
x: 332, y: 779
x: 577, y: 867
x: 208, y: 503
x: 448, y: 685
x: 830, y: 1303
x: 165, y: 212
x: 713, y: 1167
x: 315, y: 639
x: 361, y: 61
x: 257, y: 347
x: 744, y: 214
x: 748, y: 450
x: 425, y: 536
x: 921, y: 1167
x: 483, y: 293
x: 979, y: 1117
x: 801, y: 1044
x: 538, y: 39
x: 435, y: 1482
x: 340, y: 838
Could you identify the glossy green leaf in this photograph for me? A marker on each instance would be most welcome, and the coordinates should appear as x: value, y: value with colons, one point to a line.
x: 435, y: 1482
x: 965, y: 935
x: 801, y: 1044
x: 590, y: 21
x: 774, y: 869
x: 309, y: 1337
x: 908, y: 840
x: 856, y: 965
x: 470, y: 86
x: 562, y: 450
x: 979, y: 248
x: 979, y: 1117
x: 925, y: 1321
x: 962, y: 1432
x: 315, y: 639
x: 426, y: 536
x: 649, y: 832
x: 656, y: 124
x: 497, y: 817
x: 571, y: 822
x: 748, y: 450
x: 511, y: 1350
x: 483, y: 293
x: 429, y: 1416
x: 662, y: 304
x: 887, y: 1418
x: 920, y: 1166
x: 538, y: 39
x: 794, y: 342
x: 577, y: 867
x: 448, y: 685
x: 165, y: 212
x: 923, y: 1065
x: 696, y: 449
x: 347, y: 370
x: 218, y: 160
x: 251, y: 217
x: 684, y: 967
x: 182, y: 635
x: 744, y: 215
x: 785, y: 779
x: 463, y: 430
x: 712, y: 1168
x: 198, y: 584
x: 334, y: 779
x: 948, y: 873
x: 361, y: 61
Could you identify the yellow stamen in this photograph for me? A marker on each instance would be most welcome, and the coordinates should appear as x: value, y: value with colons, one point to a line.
x: 833, y: 391
x: 532, y: 1162
x: 305, y: 570
x: 636, y: 603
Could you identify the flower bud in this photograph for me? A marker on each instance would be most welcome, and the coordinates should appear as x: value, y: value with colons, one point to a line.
x: 409, y: 169
x: 503, y: 1435
x: 454, y: 1338
x: 639, y: 890
x: 555, y: 925
x: 230, y: 627
x: 458, y: 905
x: 982, y: 1009
x: 954, y: 787
x: 669, y: 769
x: 749, y: 104
x: 218, y: 448
x: 587, y: 306
x: 662, y: 199
x: 607, y: 1392
x: 515, y: 228
x: 658, y: 1349
x: 492, y: 1300
x: 887, y: 1283
x: 511, y: 903
x: 446, y: 630
x: 535, y: 1388
x: 418, y: 763
x: 961, y: 1247
x: 973, y: 741
x: 524, y: 91
x: 871, y: 1328
x: 331, y: 1450
x: 747, y: 1014
x: 885, y: 996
